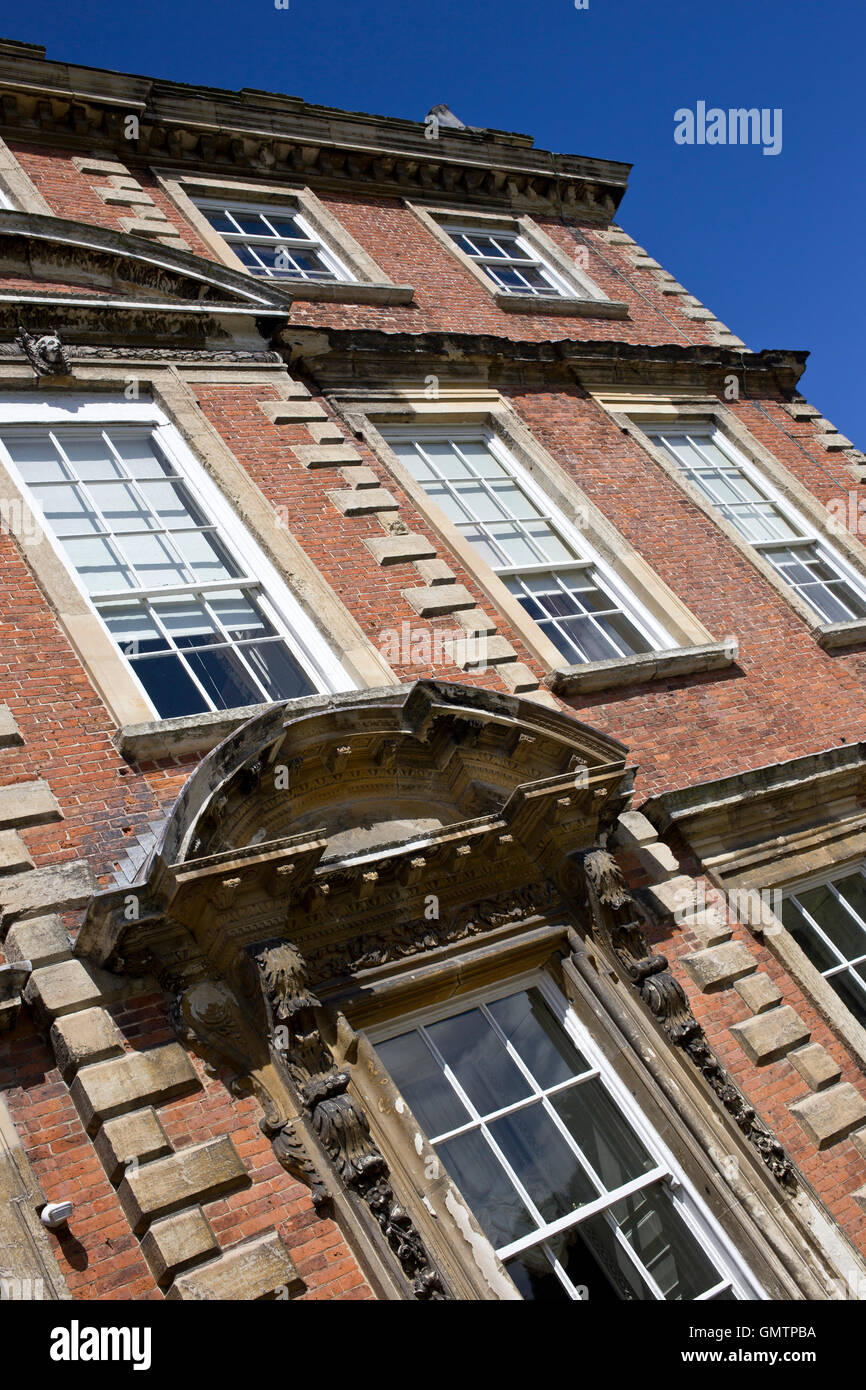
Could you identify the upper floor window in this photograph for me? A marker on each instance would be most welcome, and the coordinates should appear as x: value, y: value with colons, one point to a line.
x: 202, y: 618
x: 574, y: 597
x: 828, y: 922
x: 801, y: 557
x: 509, y: 261
x: 273, y: 241
x: 562, y: 1171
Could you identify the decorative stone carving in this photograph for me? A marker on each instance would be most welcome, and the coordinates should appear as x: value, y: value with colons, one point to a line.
x: 617, y: 919
x: 364, y: 952
x: 211, y: 1021
x: 46, y: 355
x: 337, y: 1117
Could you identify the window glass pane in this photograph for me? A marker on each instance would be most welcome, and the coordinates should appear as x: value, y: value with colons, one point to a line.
x: 219, y: 220
x: 36, y: 458
x: 480, y: 503
x: 89, y: 454
x: 453, y: 507
x: 664, y: 1244
x: 605, y: 1137
x: 100, y: 568
x: 274, y: 666
x: 552, y: 546
x: 446, y: 461
x: 533, y: 1274
x: 482, y: 460
x: 479, y: 1060
x: 205, y: 556
x: 169, y: 686
x: 187, y: 622
x: 834, y: 920
x: 543, y: 1161
x: 489, y: 551
x: 819, y: 953
x: 66, y: 508
x: 249, y: 222
x: 141, y: 455
x: 155, y: 562
x: 533, y: 1031
x: 121, y: 506
x: 239, y: 613
x: 412, y: 460
x: 172, y: 503
x: 850, y: 985
x: 285, y: 226
x: 853, y: 889
x: 594, y: 1259
x: 133, y: 628
x: 224, y: 677
x: 421, y: 1081
x: 514, y: 545
x: 495, y: 1203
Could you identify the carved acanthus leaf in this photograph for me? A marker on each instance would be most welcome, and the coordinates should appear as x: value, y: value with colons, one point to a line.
x: 617, y: 920
x: 336, y: 1115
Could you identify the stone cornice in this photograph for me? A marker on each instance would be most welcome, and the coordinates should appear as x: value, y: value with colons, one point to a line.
x: 282, y: 136
x: 763, y: 804
x: 355, y: 358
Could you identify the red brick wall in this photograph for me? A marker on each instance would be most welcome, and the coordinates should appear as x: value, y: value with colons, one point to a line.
x: 784, y: 698
x: 98, y: 1255
x: 447, y: 296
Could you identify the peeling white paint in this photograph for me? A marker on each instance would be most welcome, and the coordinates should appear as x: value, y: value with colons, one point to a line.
x: 482, y: 1251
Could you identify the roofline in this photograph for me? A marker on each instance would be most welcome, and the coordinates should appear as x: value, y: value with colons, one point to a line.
x: 74, y: 106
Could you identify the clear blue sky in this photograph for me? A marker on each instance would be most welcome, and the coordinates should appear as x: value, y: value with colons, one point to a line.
x: 774, y: 245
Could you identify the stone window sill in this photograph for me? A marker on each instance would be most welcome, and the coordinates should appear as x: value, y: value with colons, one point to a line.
x: 646, y: 666
x: 577, y: 308
x: 194, y: 733
x: 349, y: 293
x: 832, y: 636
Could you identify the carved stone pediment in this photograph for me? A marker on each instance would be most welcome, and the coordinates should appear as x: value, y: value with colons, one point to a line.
x: 92, y: 284
x: 334, y: 821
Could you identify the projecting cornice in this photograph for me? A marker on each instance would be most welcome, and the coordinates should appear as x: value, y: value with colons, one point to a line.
x: 369, y: 360
x: 208, y: 129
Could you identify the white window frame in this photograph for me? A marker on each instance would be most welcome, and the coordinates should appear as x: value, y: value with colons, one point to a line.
x: 531, y: 258
x: 578, y: 294
x: 827, y: 878
x: 808, y: 533
x: 657, y: 636
x: 312, y: 653
x: 687, y: 1201
x: 340, y: 272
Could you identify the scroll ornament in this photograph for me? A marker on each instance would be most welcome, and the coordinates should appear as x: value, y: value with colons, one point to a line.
x: 616, y: 919
x: 337, y: 1118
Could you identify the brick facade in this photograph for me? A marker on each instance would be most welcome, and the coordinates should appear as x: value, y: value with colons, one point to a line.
x: 785, y: 697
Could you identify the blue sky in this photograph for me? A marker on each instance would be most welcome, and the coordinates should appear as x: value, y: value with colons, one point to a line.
x: 773, y: 244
